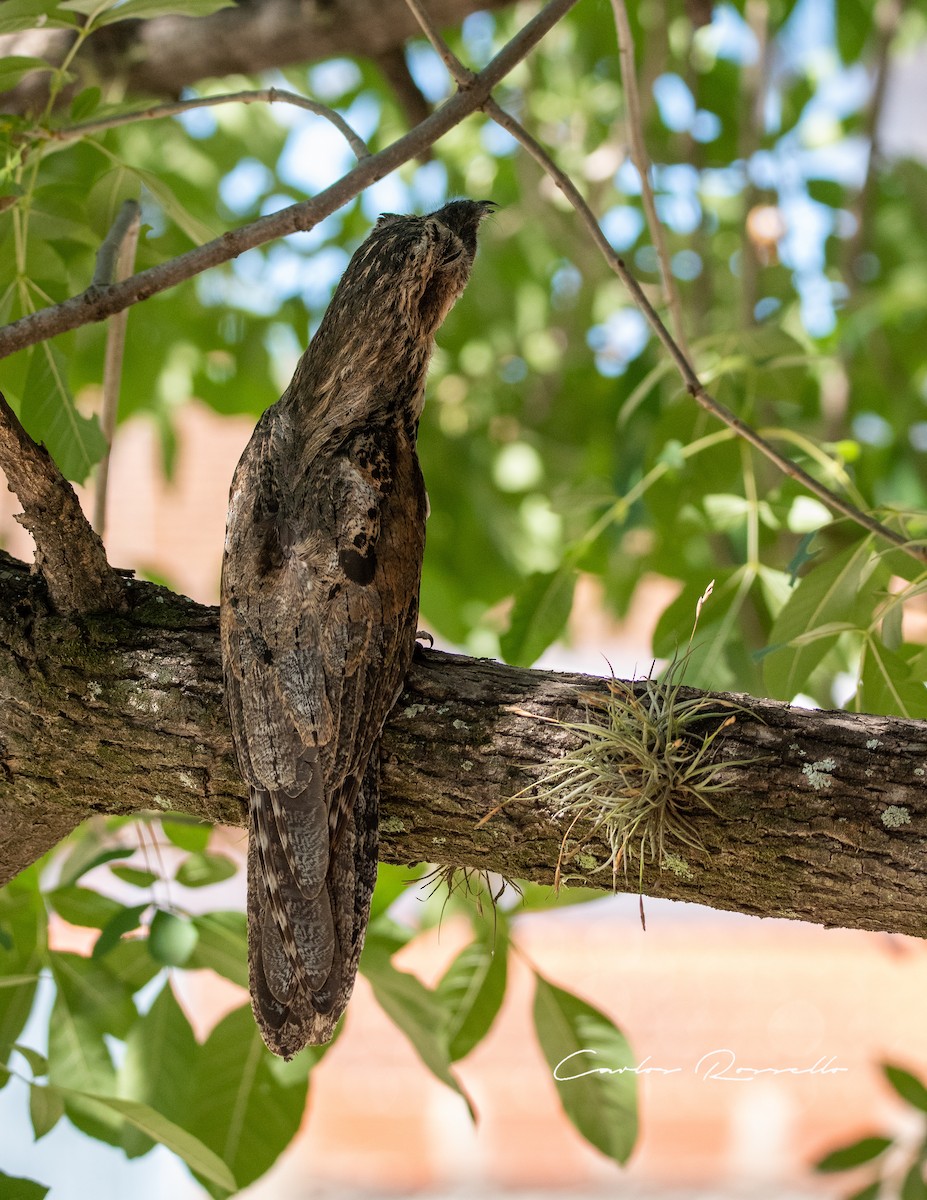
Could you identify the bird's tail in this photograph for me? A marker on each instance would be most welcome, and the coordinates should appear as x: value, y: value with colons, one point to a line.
x: 303, y: 949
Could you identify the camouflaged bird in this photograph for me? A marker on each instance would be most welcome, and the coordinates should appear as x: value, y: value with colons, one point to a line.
x: 320, y: 582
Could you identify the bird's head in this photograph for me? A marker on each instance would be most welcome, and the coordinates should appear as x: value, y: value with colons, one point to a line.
x: 411, y: 270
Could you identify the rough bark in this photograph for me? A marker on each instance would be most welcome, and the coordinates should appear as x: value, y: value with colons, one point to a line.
x: 125, y: 713
x: 68, y: 552
x: 162, y: 56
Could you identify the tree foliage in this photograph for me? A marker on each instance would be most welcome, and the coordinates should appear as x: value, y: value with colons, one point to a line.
x: 558, y: 441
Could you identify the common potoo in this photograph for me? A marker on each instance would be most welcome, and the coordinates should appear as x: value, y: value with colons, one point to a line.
x: 320, y: 583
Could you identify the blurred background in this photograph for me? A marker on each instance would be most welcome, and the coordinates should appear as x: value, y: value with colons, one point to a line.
x: 580, y: 504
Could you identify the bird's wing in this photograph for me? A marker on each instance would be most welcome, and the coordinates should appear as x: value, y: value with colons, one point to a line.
x: 319, y: 608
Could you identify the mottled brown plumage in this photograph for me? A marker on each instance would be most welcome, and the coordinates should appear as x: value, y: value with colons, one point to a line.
x: 320, y: 581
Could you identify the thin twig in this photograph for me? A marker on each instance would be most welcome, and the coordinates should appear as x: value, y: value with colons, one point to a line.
x: 888, y: 17
x: 270, y: 95
x: 128, y: 222
x: 641, y: 160
x: 96, y: 304
x: 693, y: 384
x: 108, y: 255
x: 673, y: 347
x: 754, y: 80
x: 462, y: 75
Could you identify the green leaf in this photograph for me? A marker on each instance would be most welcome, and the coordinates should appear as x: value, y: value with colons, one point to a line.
x: 85, y: 7
x: 829, y: 595
x: 886, y: 686
x: 76, y: 443
x: 21, y: 1189
x: 38, y: 1063
x: 46, y: 1108
x: 417, y: 1011
x: 144, y: 10
x: 539, y: 616
x: 159, y: 1068
x: 853, y: 1155
x: 188, y: 835
x: 201, y: 870
x: 92, y: 993
x: 198, y: 1157
x: 16, y: 981
x: 472, y: 990
x: 913, y: 1186
x: 135, y: 877
x: 123, y: 922
x: 222, y: 946
x: 85, y: 103
x: 196, y: 230
x: 15, y: 66
x: 79, y: 1059
x: 84, y: 907
x: 16, y: 15
x: 130, y: 961
x: 392, y: 882
x: 23, y: 934
x: 593, y: 1068
x: 240, y: 1108
x: 88, y: 853
x: 908, y: 1086
x: 171, y: 939
x: 870, y: 1192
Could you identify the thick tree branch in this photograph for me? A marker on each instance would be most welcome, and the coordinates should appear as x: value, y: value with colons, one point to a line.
x: 67, y: 551
x: 162, y: 56
x: 126, y: 713
x: 96, y: 304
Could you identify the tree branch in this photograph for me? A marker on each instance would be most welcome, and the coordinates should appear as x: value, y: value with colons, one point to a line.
x: 641, y: 160
x: 96, y: 304
x: 162, y: 56
x: 464, y: 79
x: 70, y: 133
x: 67, y: 551
x: 888, y: 18
x: 830, y: 826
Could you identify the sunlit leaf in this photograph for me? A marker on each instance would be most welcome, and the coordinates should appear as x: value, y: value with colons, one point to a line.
x: 16, y: 15
x: 222, y: 946
x: 472, y: 989
x: 46, y: 1108
x: 84, y: 906
x: 194, y: 1153
x: 188, y: 835
x: 201, y: 870
x: 240, y: 1108
x: 75, y: 442
x: 418, y: 1012
x: 592, y: 1065
x: 159, y: 1068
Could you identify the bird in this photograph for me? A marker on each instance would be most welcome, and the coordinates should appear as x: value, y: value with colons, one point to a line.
x: 319, y: 609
